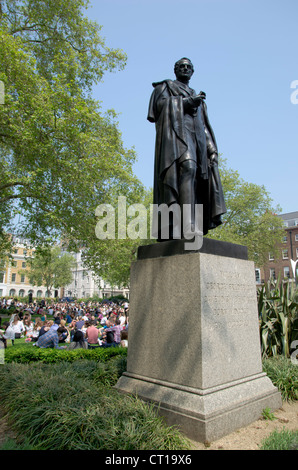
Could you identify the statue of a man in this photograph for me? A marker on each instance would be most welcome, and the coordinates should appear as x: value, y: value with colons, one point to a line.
x: 186, y: 155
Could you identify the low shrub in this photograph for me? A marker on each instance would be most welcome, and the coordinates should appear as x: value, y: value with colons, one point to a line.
x: 73, y: 406
x: 281, y: 440
x: 284, y: 375
x: 27, y: 353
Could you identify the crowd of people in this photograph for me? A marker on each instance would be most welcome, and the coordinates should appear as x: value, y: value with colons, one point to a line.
x: 65, y: 325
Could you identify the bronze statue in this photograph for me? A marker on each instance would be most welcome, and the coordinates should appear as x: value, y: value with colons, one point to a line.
x: 186, y: 155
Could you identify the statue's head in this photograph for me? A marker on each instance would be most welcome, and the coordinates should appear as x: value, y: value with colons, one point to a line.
x: 183, y: 68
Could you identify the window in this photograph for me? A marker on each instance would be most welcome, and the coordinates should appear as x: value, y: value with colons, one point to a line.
x: 39, y: 294
x: 22, y: 277
x: 21, y: 293
x: 14, y: 264
x: 12, y: 292
x: 1, y: 292
x: 13, y: 277
x: 285, y: 239
x: 271, y: 257
x: 272, y: 274
x: 1, y: 277
x: 296, y: 253
x: 24, y: 264
x: 287, y: 272
x: 296, y: 237
x: 285, y: 254
x: 258, y: 276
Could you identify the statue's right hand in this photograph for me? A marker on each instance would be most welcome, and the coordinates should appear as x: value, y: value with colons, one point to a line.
x: 199, y: 98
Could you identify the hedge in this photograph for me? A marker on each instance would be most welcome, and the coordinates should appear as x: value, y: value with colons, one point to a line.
x: 26, y: 355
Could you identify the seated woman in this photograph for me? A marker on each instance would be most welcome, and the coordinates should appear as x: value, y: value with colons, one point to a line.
x: 29, y: 328
x: 124, y: 339
x: 78, y: 341
x: 65, y: 336
x: 7, y: 333
x: 17, y: 326
x: 36, y: 329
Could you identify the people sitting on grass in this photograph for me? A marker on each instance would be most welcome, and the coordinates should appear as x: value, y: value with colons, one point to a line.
x: 65, y: 336
x: 17, y: 326
x: 45, y: 327
x: 28, y: 328
x: 124, y: 339
x: 78, y: 341
x: 91, y: 334
x: 100, y: 323
x: 50, y: 339
x: 7, y: 333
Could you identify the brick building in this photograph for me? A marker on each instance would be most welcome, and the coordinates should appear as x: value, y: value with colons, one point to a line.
x: 284, y: 263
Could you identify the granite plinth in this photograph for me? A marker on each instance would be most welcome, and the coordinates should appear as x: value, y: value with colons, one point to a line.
x: 194, y: 346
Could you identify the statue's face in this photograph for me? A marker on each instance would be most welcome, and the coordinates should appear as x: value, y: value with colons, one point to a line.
x: 184, y: 70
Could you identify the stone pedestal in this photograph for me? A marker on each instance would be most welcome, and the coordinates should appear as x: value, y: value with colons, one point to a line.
x: 194, y: 346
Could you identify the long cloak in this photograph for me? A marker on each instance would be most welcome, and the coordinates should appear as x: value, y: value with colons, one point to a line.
x: 166, y: 110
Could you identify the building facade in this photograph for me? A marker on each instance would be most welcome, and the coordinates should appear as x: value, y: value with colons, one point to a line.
x: 85, y: 284
x: 13, y: 283
x: 284, y: 265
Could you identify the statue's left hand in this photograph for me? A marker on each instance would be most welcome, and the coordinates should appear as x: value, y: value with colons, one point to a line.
x: 213, y: 159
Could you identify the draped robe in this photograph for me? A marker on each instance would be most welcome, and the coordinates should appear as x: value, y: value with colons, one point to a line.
x: 172, y: 110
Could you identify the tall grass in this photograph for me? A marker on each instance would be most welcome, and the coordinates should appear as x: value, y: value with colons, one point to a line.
x: 72, y: 406
x: 284, y: 375
x: 281, y: 440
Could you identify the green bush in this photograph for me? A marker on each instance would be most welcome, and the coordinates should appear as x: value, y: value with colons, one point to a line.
x: 73, y: 406
x: 281, y: 440
x: 27, y: 353
x: 284, y: 375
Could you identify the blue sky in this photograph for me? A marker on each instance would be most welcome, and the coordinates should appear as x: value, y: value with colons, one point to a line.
x: 245, y: 57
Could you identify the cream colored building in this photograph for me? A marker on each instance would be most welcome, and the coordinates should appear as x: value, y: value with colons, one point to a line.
x: 85, y: 284
x: 12, y: 282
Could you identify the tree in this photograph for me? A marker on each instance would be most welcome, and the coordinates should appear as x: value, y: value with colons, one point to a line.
x: 111, y: 258
x: 49, y: 267
x: 60, y: 156
x: 250, y: 219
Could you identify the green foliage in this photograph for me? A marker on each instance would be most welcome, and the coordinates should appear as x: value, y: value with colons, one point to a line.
x: 67, y: 407
x: 278, y: 315
x: 250, y: 219
x: 49, y: 267
x: 27, y: 353
x: 268, y: 414
x: 12, y: 444
x: 284, y: 375
x: 60, y: 156
x: 111, y: 258
x: 281, y: 440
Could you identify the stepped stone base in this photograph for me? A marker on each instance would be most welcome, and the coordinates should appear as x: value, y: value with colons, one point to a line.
x: 194, y: 346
